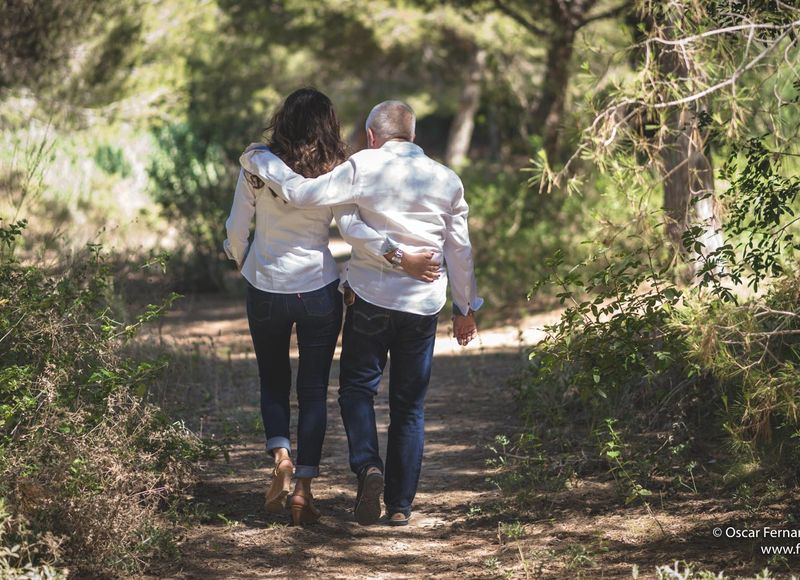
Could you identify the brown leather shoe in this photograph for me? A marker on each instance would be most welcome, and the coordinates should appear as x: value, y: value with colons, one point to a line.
x: 281, y: 486
x: 368, y: 499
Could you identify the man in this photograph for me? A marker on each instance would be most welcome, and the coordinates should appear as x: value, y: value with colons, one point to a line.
x: 419, y: 205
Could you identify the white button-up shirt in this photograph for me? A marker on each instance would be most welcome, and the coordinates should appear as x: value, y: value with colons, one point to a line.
x: 410, y: 199
x: 289, y: 252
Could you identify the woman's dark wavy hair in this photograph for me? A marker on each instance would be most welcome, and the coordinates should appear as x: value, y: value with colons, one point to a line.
x: 304, y: 132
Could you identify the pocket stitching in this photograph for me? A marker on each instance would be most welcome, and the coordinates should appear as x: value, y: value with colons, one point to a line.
x: 378, y: 316
x: 257, y: 306
x: 316, y: 298
x: 318, y: 312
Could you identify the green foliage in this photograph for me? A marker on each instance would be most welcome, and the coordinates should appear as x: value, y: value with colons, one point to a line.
x: 623, y: 469
x: 114, y: 55
x: 76, y: 52
x: 23, y: 554
x: 192, y: 182
x: 636, y: 352
x: 35, y: 46
x: 514, y: 230
x: 83, y: 456
x: 753, y: 352
x: 759, y: 199
x: 112, y: 160
x: 526, y: 467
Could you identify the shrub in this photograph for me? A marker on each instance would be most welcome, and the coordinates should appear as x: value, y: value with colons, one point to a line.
x: 513, y: 231
x: 752, y: 351
x: 194, y: 185
x: 640, y: 360
x: 23, y: 554
x: 112, y: 160
x: 83, y: 456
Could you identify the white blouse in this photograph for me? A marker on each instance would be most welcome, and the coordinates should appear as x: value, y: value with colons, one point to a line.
x: 289, y: 252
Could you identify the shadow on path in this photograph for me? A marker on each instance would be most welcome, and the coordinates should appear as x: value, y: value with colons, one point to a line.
x: 469, y: 402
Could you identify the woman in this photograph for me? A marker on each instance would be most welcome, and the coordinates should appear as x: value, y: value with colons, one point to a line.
x: 293, y: 281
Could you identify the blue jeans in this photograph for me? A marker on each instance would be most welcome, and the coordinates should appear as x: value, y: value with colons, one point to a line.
x: 318, y: 316
x: 370, y: 334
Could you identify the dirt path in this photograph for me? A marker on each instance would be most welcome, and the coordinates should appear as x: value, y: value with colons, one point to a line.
x: 468, y: 404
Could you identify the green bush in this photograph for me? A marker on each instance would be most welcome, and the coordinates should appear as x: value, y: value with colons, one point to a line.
x: 513, y: 230
x: 83, y: 456
x: 520, y: 234
x: 192, y: 182
x: 640, y: 365
x: 752, y: 351
x: 23, y: 554
x: 112, y: 160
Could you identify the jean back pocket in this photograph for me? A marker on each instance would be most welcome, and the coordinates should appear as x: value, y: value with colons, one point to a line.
x: 259, y: 305
x: 320, y: 302
x: 369, y: 319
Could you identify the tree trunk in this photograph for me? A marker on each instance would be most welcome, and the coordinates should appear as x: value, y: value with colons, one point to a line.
x: 689, y: 187
x: 550, y: 108
x: 357, y: 138
x: 464, y: 123
x: 494, y: 134
x: 687, y: 173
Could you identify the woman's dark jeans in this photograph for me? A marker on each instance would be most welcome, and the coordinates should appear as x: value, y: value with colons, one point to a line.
x: 318, y: 316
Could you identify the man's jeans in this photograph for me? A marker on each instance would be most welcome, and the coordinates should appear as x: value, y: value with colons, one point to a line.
x: 370, y: 333
x: 318, y: 316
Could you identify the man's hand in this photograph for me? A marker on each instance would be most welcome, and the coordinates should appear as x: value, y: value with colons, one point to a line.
x: 464, y: 328
x: 420, y: 265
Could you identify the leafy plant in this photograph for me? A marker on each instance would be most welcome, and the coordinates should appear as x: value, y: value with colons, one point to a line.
x: 112, y: 160
x: 23, y: 554
x: 192, y: 182
x: 83, y: 455
x: 623, y: 470
x: 636, y: 350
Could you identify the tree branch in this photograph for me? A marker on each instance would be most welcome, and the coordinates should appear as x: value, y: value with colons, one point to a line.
x: 610, y: 13
x: 729, y: 81
x: 689, y: 39
x: 519, y: 18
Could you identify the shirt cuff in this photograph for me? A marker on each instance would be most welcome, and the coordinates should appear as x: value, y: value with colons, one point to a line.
x: 463, y: 309
x: 226, y: 245
x: 232, y: 250
x: 388, y: 246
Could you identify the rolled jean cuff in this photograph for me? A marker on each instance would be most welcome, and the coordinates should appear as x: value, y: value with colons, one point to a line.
x: 278, y: 443
x: 306, y: 471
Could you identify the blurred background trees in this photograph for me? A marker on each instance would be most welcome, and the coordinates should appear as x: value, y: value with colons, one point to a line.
x: 151, y: 103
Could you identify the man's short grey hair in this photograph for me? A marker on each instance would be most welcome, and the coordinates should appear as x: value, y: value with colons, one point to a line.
x: 392, y: 120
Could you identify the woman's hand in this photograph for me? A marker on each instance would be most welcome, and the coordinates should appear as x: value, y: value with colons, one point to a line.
x: 419, y: 265
x: 464, y: 328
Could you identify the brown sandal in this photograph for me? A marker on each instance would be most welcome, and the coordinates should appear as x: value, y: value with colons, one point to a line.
x: 279, y: 489
x: 303, y: 510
